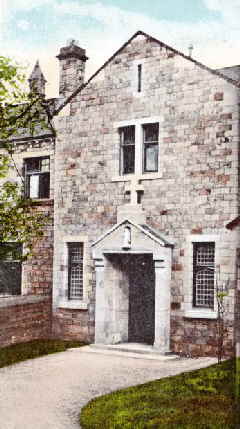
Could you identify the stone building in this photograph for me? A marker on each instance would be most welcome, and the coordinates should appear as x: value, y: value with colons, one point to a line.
x: 143, y: 178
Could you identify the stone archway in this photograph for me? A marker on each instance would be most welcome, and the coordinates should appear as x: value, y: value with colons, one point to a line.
x: 114, y: 322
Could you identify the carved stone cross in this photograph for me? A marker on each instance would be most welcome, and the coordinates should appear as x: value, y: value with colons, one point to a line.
x: 134, y: 188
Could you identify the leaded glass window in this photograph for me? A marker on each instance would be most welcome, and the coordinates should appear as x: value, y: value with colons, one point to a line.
x: 75, y: 270
x: 203, y: 274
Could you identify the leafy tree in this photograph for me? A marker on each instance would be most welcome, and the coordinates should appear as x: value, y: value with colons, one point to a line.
x: 21, y: 113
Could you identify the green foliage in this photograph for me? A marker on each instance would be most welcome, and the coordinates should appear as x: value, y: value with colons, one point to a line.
x: 33, y: 349
x: 21, y: 114
x: 198, y: 399
x: 221, y: 290
x: 198, y: 385
x: 222, y: 295
x: 11, y: 82
x: 19, y: 221
x: 4, y: 165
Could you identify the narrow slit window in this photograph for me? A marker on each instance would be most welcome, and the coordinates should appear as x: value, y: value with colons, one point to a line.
x: 139, y: 72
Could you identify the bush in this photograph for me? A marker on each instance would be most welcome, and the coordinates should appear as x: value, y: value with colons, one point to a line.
x: 33, y: 349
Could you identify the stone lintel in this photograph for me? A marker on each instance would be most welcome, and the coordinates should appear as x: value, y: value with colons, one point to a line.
x: 126, y: 252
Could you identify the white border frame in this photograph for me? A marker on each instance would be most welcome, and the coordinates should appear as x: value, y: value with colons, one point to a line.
x: 20, y: 157
x: 139, y: 174
x: 64, y: 302
x: 189, y: 310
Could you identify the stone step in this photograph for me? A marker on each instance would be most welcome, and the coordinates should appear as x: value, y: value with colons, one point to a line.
x: 133, y: 350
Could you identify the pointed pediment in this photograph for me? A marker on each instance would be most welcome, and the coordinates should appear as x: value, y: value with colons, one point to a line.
x: 172, y: 52
x: 126, y: 236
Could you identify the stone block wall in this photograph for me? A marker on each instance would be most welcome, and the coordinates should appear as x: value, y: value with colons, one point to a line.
x: 24, y: 319
x: 38, y: 270
x: 71, y: 324
x: 199, y: 337
x: 237, y: 302
x: 28, y: 316
x: 196, y: 190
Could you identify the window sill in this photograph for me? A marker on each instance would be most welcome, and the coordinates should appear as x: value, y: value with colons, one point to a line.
x: 200, y: 314
x: 43, y: 202
x: 129, y: 177
x: 73, y: 304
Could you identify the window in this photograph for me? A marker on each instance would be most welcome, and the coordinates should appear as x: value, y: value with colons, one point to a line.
x: 137, y: 77
x: 127, y: 141
x: 203, y: 274
x: 75, y: 270
x: 139, y: 86
x: 139, y: 147
x: 37, y: 177
x: 10, y: 269
x: 70, y: 285
x: 150, y: 147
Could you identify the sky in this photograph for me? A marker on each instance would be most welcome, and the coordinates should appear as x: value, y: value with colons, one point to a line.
x: 36, y: 29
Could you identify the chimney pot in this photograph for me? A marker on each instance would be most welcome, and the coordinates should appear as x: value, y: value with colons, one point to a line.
x: 72, y: 59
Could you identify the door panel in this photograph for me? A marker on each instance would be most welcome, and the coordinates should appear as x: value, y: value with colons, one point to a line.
x: 141, y: 299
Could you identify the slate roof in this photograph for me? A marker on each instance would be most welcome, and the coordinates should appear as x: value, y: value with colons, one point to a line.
x: 37, y: 73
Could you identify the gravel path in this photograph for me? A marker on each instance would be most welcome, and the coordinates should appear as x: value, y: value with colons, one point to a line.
x: 48, y: 392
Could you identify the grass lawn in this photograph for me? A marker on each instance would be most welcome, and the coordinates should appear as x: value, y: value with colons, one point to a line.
x: 205, y: 398
x: 33, y: 349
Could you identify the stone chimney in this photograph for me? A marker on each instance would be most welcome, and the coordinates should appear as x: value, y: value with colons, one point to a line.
x: 72, y: 60
x: 37, y: 81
